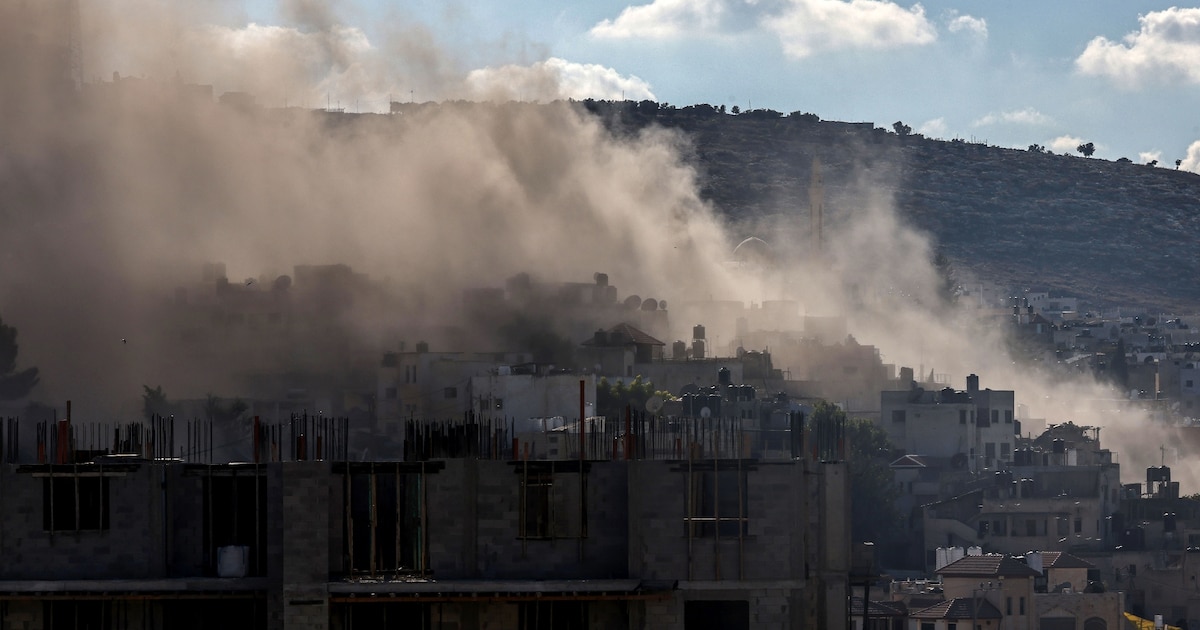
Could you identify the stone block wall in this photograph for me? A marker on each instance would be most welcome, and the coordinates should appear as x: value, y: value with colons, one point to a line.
x: 131, y: 547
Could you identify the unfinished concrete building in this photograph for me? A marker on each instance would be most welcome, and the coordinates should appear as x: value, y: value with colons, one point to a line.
x: 465, y: 533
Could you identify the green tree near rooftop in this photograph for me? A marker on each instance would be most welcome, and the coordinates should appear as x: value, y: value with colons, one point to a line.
x: 612, y: 398
x: 873, y: 490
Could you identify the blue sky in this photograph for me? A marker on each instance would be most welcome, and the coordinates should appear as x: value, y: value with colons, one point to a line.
x: 1123, y: 75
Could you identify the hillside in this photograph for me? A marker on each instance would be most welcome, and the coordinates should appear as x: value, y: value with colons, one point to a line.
x: 1116, y: 232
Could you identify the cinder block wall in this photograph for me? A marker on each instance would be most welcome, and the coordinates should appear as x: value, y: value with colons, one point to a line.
x: 299, y: 511
x: 474, y: 524
x: 132, y: 547
x: 772, y: 548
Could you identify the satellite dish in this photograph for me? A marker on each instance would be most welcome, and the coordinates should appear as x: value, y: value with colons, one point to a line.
x: 705, y: 412
x: 654, y: 403
x: 633, y: 301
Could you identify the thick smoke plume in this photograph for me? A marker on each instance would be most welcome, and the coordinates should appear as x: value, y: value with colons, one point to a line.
x: 116, y: 191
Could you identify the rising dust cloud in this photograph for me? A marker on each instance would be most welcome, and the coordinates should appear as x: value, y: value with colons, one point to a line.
x: 115, y: 192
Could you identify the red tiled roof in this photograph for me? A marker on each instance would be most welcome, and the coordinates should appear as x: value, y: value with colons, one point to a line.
x: 990, y: 565
x: 960, y: 608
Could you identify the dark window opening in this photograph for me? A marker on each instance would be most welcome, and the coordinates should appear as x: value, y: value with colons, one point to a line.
x: 77, y: 615
x: 562, y: 615
x: 370, y: 616
x: 717, y: 504
x: 537, y: 510
x: 384, y: 524
x: 450, y: 392
x: 75, y: 503
x: 716, y: 615
x: 898, y: 415
x: 235, y: 515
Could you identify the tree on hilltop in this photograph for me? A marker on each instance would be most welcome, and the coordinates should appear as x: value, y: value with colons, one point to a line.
x: 1086, y: 149
x: 901, y: 129
x: 14, y: 385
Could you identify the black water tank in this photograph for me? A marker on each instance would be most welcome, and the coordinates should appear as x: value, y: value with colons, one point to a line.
x: 724, y: 377
x: 1059, y: 447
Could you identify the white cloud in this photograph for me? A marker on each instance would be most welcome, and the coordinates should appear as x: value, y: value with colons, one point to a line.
x: 1166, y: 48
x: 807, y: 27
x: 935, y: 128
x: 663, y: 19
x: 967, y: 24
x: 1146, y: 157
x: 1027, y: 116
x: 804, y: 27
x: 1064, y: 144
x: 1192, y: 161
x: 553, y: 79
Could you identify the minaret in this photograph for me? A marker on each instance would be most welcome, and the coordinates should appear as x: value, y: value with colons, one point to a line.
x: 816, y: 205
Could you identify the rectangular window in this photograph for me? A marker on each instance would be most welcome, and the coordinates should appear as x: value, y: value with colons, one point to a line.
x: 1078, y: 525
x: 962, y: 416
x: 383, y: 528
x: 1005, y: 450
x: 550, y: 502
x: 1008, y: 416
x: 537, y: 510
x: 74, y: 503
x: 1008, y: 606
x: 989, y: 450
x: 1022, y: 606
x: 390, y: 393
x: 1030, y: 527
x: 995, y: 416
x: 717, y: 504
x: 450, y: 392
x: 897, y: 415
x: 925, y: 625
x: 999, y: 528
x: 984, y: 526
x: 1062, y: 526
x: 235, y: 514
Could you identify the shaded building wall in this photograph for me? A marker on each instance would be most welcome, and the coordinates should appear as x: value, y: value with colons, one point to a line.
x: 475, y: 529
x: 132, y: 545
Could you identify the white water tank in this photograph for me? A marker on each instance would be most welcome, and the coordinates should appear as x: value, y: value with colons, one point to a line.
x: 232, y: 561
